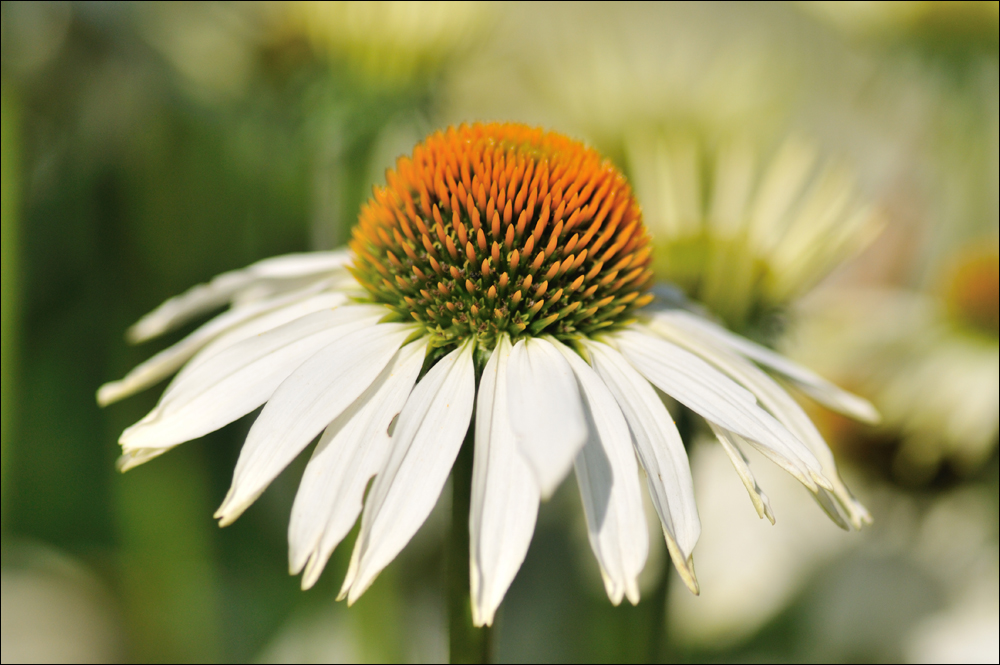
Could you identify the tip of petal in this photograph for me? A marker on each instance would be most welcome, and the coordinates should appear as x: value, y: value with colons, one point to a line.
x: 228, y: 512
x: 863, y: 410
x: 311, y: 574
x: 482, y: 618
x: 615, y: 592
x: 144, y: 329
x: 127, y: 461
x: 684, y: 566
x: 110, y: 393
x: 133, y: 458
x: 632, y: 591
x: 821, y: 480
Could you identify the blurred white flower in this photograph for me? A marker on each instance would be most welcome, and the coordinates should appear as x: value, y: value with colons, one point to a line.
x: 387, y: 43
x: 931, y: 364
x: 55, y: 610
x: 745, y: 239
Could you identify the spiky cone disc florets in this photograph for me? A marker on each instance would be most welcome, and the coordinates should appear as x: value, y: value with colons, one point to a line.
x: 502, y: 228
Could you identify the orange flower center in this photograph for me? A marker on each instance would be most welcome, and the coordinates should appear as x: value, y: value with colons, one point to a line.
x: 494, y: 228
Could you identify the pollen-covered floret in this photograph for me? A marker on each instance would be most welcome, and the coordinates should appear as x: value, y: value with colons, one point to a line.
x: 494, y: 228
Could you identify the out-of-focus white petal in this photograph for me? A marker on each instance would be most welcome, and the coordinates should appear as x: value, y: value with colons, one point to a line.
x: 806, y: 380
x: 546, y: 412
x: 730, y: 443
x: 290, y: 306
x: 241, y: 378
x: 661, y: 453
x: 608, y: 477
x: 352, y: 450
x: 713, y: 395
x: 311, y: 397
x: 776, y: 400
x: 505, y: 494
x: 221, y: 289
x: 425, y: 443
x: 290, y: 266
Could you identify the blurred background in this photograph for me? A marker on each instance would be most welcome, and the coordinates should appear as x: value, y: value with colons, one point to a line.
x: 822, y: 176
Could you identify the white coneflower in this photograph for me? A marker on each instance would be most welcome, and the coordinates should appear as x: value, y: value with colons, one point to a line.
x: 497, y: 255
x: 929, y: 361
x: 388, y: 43
x: 741, y: 239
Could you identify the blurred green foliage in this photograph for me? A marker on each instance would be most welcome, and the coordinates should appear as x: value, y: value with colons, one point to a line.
x: 10, y: 277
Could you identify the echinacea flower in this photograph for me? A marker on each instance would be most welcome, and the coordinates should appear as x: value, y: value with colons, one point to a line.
x: 928, y: 360
x: 387, y: 43
x: 503, y: 271
x: 743, y: 238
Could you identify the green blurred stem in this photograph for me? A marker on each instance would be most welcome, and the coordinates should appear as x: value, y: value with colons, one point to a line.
x: 657, y: 600
x: 658, y: 648
x: 468, y: 644
x: 169, y: 580
x: 10, y: 286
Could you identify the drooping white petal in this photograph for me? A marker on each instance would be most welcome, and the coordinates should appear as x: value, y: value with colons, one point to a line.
x: 546, y: 412
x: 706, y: 391
x: 505, y: 494
x: 133, y: 458
x: 352, y: 450
x: 661, y: 453
x: 168, y: 361
x: 216, y: 293
x: 241, y: 378
x: 425, y: 443
x: 730, y: 443
x: 776, y: 400
x: 307, y: 401
x: 257, y: 326
x: 608, y: 477
x: 806, y: 380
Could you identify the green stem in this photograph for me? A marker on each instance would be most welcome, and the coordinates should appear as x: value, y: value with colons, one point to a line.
x: 10, y: 184
x: 658, y: 616
x: 468, y: 644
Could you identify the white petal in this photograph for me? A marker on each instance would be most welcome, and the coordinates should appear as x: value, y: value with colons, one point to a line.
x: 546, y: 412
x: 776, y: 400
x: 138, y: 456
x: 505, y: 495
x: 706, y: 391
x: 259, y: 325
x: 241, y: 378
x: 168, y: 361
x: 425, y: 443
x: 352, y: 449
x: 314, y: 395
x: 608, y: 477
x: 290, y: 266
x: 206, y: 297
x: 806, y: 380
x: 661, y: 453
x: 730, y: 443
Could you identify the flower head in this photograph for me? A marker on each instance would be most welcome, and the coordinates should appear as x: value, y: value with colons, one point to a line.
x: 501, y: 228
x: 387, y: 43
x: 928, y: 360
x: 746, y: 241
x: 502, y: 270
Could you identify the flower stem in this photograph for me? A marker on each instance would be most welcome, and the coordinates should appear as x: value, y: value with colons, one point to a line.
x: 468, y: 644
